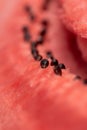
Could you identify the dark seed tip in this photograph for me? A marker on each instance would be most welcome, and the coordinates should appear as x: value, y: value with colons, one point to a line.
x: 40, y: 40
x: 44, y: 63
x: 34, y: 52
x: 57, y: 71
x: 38, y: 58
x: 43, y: 32
x: 33, y: 45
x: 54, y: 62
x: 62, y: 66
x: 49, y: 54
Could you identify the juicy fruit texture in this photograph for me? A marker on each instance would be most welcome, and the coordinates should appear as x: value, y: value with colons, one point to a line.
x: 74, y: 12
x: 32, y: 98
x: 74, y: 16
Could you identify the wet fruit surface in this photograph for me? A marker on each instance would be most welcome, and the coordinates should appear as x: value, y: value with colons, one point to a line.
x: 32, y: 98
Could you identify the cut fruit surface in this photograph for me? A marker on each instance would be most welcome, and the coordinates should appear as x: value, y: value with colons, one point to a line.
x: 74, y: 14
x: 32, y: 98
x: 74, y: 17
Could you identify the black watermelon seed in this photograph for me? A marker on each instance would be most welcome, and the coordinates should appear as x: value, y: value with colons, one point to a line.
x: 44, y: 63
x: 77, y: 77
x: 43, y: 32
x: 34, y: 45
x: 34, y: 52
x: 27, y: 37
x: 54, y: 62
x: 45, y: 23
x: 57, y: 70
x: 85, y: 81
x: 49, y: 54
x: 62, y: 66
x: 40, y: 40
x: 38, y: 57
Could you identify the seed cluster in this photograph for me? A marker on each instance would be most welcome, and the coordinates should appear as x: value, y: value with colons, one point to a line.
x: 36, y: 54
x: 44, y: 62
x: 54, y: 62
x: 50, y: 60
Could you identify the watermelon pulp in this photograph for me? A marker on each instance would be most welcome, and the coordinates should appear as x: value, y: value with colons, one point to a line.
x: 32, y: 98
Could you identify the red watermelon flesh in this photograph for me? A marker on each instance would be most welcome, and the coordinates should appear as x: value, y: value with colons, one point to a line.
x: 74, y: 12
x: 32, y: 98
x: 73, y: 15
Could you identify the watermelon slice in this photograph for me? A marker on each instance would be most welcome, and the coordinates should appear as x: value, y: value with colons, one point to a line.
x: 32, y: 98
